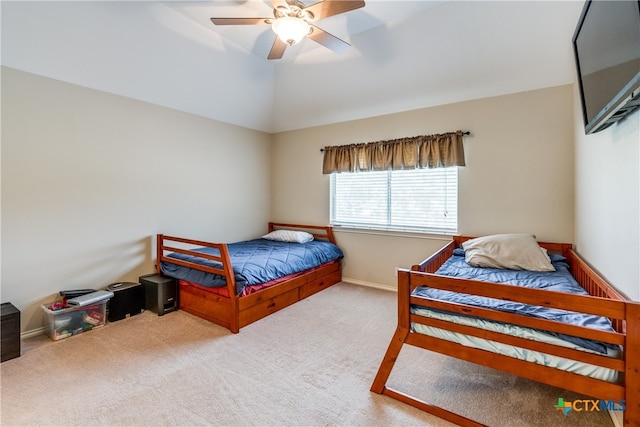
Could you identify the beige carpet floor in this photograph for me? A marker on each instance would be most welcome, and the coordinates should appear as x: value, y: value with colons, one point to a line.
x: 309, y: 364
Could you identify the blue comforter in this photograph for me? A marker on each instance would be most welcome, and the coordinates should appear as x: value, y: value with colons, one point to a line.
x: 256, y: 261
x: 560, y: 280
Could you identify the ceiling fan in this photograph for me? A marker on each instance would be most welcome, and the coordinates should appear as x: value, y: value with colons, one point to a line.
x: 292, y: 21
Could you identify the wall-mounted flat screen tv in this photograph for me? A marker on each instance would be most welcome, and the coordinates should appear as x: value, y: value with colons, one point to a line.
x: 606, y: 44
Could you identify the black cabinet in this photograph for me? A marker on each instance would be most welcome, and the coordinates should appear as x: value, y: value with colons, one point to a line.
x: 10, y: 331
x: 127, y: 300
x: 160, y: 293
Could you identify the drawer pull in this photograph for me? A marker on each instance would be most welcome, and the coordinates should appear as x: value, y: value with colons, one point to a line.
x: 273, y: 304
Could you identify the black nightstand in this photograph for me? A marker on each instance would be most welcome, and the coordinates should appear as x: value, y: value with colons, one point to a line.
x: 10, y: 331
x: 160, y: 293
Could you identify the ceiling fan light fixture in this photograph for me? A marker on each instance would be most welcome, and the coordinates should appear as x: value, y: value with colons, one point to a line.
x: 291, y: 29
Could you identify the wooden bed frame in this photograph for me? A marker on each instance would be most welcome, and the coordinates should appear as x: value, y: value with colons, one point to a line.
x: 604, y: 300
x: 235, y: 312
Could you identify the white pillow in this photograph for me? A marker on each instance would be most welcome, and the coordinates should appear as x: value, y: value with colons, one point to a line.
x: 289, y: 236
x: 508, y: 251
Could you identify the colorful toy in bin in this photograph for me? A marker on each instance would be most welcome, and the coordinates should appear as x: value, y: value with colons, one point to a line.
x: 89, y: 312
x: 93, y: 317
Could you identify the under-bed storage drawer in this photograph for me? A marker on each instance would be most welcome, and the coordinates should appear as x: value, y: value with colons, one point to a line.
x: 205, y: 304
x: 320, y: 283
x: 268, y: 306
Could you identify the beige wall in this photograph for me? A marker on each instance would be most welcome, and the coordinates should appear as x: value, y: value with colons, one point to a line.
x: 89, y: 178
x: 518, y: 178
x: 608, y: 200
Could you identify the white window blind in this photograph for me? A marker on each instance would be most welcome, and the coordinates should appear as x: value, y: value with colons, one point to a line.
x: 424, y: 200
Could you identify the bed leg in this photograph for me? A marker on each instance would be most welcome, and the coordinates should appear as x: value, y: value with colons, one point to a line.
x: 632, y: 372
x: 389, y: 360
x: 234, y: 322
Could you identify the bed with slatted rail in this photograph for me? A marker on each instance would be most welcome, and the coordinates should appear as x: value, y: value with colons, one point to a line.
x: 229, y: 306
x: 601, y: 299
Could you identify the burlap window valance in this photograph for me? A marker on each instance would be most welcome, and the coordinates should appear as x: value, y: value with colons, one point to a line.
x: 424, y: 151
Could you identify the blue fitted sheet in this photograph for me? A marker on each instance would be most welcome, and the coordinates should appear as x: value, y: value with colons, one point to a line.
x: 256, y: 261
x: 560, y: 280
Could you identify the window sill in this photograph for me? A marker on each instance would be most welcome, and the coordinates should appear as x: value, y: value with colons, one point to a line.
x: 390, y: 232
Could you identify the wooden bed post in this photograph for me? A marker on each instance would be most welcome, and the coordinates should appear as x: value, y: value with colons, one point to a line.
x: 632, y: 366
x: 158, y: 252
x: 330, y: 235
x: 234, y: 324
x: 402, y: 331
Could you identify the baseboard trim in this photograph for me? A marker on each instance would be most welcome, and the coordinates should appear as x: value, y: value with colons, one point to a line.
x: 370, y: 284
x: 31, y: 333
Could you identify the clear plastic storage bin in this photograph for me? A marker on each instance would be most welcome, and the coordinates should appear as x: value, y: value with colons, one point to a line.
x: 63, y: 323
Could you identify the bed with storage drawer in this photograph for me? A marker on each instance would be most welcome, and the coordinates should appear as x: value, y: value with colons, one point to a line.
x: 549, y: 318
x: 235, y: 284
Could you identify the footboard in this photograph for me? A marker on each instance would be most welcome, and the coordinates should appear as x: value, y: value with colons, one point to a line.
x: 170, y: 244
x: 625, y: 316
x: 222, y: 310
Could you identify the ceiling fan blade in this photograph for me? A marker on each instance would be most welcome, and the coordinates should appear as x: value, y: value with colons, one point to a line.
x: 276, y: 3
x: 239, y: 21
x: 328, y: 8
x: 277, y: 50
x: 328, y: 40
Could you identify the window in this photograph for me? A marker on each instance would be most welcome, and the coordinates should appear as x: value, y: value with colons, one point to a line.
x: 422, y: 200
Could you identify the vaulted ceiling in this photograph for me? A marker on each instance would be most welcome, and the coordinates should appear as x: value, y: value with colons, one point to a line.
x: 404, y: 55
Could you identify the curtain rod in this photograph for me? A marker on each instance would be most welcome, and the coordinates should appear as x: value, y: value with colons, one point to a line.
x: 466, y: 132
